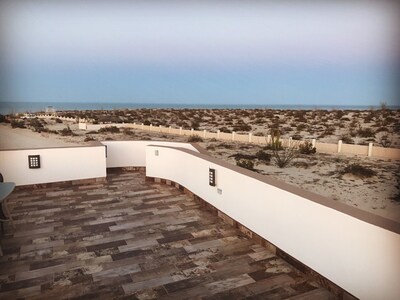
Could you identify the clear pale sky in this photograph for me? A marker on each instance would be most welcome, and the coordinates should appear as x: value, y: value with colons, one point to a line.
x: 201, y: 52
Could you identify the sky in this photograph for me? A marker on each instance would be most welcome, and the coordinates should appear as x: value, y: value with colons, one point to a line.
x: 200, y: 52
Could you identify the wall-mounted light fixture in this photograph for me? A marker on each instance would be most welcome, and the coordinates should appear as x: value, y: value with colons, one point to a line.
x: 34, y: 161
x: 211, y: 177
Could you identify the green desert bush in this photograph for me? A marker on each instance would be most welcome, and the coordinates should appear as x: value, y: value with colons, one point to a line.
x: 307, y: 148
x: 245, y: 163
x: 358, y: 171
x: 282, y: 157
x: 275, y: 144
x: 195, y: 139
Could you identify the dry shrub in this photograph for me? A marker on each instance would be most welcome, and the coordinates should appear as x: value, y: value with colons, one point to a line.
x: 195, y: 139
x: 89, y: 139
x: 386, y: 141
x: 358, y: 171
x: 111, y: 129
x: 307, y: 148
x: 67, y: 132
x: 245, y: 163
x: 241, y: 156
x: 366, y: 132
x: 301, y: 164
x: 128, y: 131
x: 285, y: 157
x: 347, y: 139
x: 264, y: 156
x: 17, y: 124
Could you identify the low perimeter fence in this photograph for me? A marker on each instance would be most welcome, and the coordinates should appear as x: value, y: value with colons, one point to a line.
x: 369, y: 150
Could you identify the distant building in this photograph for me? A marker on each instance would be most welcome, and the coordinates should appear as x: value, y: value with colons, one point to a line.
x: 50, y: 110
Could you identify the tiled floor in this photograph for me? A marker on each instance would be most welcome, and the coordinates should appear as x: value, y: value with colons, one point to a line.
x: 130, y: 239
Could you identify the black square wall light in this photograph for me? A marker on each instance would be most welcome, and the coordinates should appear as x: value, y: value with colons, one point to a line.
x: 34, y: 161
x: 211, y: 177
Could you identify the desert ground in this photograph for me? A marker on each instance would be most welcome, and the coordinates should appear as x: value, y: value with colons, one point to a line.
x: 380, y: 126
x: 376, y: 191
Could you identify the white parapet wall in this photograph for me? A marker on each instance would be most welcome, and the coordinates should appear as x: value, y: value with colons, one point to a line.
x: 133, y: 153
x: 56, y: 164
x: 335, y: 240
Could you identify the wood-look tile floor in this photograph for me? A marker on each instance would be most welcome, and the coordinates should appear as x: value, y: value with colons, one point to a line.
x: 130, y: 239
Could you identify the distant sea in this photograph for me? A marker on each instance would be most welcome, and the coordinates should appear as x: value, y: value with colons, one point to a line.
x: 31, y: 107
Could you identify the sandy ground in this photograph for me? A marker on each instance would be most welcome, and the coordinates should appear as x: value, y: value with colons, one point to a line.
x: 19, y: 138
x: 379, y: 126
x: 319, y: 173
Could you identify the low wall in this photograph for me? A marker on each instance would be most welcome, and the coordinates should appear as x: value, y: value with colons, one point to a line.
x: 56, y: 164
x: 356, y: 250
x: 380, y: 152
x: 96, y: 127
x: 390, y: 153
x: 133, y: 153
x: 70, y: 119
x: 354, y: 149
x: 326, y: 148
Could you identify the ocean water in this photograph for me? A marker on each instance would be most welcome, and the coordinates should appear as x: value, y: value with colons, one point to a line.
x: 22, y: 107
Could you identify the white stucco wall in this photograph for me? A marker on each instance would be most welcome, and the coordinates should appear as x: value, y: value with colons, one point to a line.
x: 133, y: 153
x: 57, y: 164
x: 361, y: 258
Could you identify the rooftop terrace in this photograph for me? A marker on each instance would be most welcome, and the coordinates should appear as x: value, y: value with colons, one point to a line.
x: 130, y: 239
